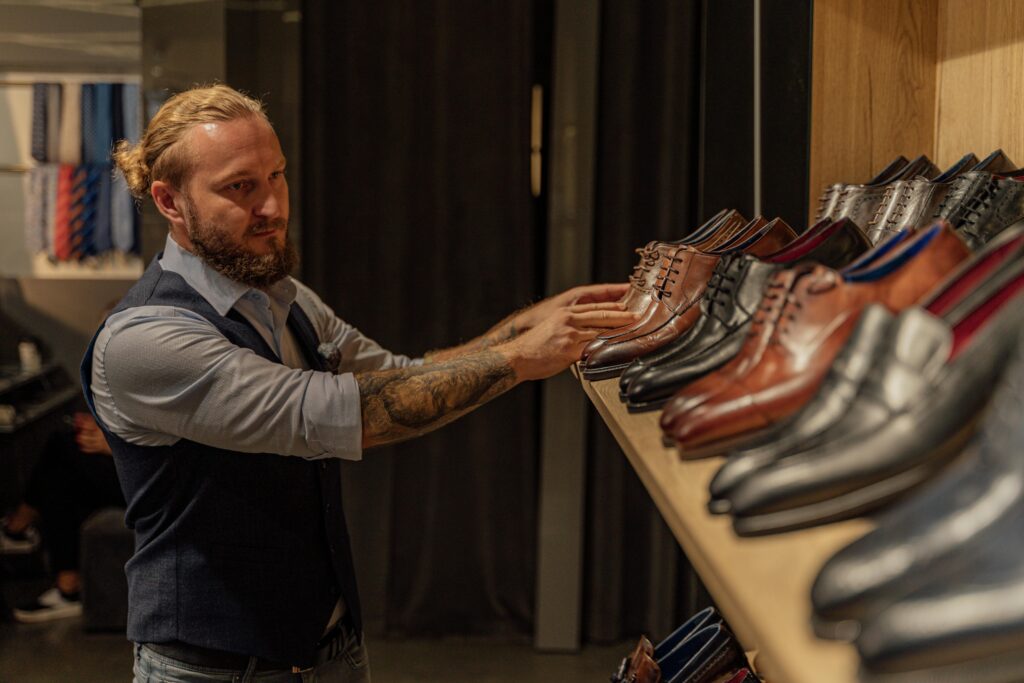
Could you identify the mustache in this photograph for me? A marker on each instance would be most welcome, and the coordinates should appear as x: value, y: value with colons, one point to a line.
x: 276, y: 224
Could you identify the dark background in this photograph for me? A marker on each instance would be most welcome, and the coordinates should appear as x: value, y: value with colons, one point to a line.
x: 419, y: 227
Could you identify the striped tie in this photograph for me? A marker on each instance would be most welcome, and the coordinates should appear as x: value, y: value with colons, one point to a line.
x: 62, y: 213
x: 84, y: 200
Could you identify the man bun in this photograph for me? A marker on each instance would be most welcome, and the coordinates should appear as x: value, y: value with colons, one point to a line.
x: 129, y: 158
x: 161, y: 153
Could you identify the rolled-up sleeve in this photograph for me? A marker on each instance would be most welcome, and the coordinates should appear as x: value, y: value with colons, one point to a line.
x: 359, y: 353
x: 165, y: 374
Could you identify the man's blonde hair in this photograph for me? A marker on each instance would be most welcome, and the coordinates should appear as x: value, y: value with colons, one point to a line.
x: 161, y: 154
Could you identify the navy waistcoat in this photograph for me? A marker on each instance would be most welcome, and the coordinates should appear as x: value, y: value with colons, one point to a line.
x: 241, y: 552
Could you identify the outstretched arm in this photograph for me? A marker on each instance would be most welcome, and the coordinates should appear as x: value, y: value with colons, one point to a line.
x: 601, y: 296
x: 403, y: 403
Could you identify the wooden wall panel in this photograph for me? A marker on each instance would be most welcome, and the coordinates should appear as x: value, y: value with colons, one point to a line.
x: 980, y: 78
x: 873, y: 87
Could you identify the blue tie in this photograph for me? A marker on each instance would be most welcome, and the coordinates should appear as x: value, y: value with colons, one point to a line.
x: 123, y: 213
x: 102, y: 240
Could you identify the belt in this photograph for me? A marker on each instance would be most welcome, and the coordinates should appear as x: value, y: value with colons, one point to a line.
x: 219, y: 659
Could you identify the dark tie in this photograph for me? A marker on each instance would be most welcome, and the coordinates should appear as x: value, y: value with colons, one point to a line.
x: 39, y: 123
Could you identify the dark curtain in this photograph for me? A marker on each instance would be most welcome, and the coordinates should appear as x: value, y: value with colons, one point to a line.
x: 420, y: 230
x: 646, y: 188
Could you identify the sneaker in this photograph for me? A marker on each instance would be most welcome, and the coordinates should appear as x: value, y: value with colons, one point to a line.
x: 53, y: 604
x: 21, y: 543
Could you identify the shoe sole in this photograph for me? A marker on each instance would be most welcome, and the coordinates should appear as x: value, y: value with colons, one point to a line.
x: 593, y: 375
x: 646, y: 406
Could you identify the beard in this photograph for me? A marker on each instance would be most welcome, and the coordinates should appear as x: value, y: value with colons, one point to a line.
x: 212, y: 244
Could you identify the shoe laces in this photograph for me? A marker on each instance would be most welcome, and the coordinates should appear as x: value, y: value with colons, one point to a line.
x: 725, y: 281
x: 648, y: 259
x: 895, y: 201
x: 772, y: 304
x: 842, y: 191
x: 661, y: 285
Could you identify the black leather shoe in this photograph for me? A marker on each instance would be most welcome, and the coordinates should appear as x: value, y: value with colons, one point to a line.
x: 830, y: 197
x: 860, y: 203
x: 916, y: 414
x: 911, y: 203
x: 807, y: 428
x: 980, y: 205
x: 924, y: 537
x: 968, y: 626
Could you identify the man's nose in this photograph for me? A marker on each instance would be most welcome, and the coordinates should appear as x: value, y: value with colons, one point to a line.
x: 269, y: 206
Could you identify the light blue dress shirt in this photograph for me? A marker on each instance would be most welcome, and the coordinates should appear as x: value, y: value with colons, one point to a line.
x: 162, y: 373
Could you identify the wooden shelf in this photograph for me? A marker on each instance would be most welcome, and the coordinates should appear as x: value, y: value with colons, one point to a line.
x: 762, y: 585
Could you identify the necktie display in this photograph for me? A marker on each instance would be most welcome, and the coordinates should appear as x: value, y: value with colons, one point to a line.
x: 76, y: 206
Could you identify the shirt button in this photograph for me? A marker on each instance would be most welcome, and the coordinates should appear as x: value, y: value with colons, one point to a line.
x: 332, y: 550
x: 328, y: 507
x: 323, y: 465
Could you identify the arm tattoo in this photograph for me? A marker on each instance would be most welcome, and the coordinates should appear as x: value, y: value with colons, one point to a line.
x: 504, y: 331
x: 406, y: 402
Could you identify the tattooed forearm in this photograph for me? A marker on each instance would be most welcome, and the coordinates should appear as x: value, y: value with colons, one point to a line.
x: 504, y: 331
x: 402, y: 403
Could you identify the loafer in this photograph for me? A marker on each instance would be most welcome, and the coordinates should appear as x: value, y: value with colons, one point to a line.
x: 924, y: 417
x: 924, y: 537
x: 827, y: 408
x: 703, y: 657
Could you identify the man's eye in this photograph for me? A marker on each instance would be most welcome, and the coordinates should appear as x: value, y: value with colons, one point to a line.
x: 239, y: 186
x: 276, y: 174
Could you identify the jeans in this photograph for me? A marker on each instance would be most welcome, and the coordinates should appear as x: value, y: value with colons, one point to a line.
x: 349, y: 665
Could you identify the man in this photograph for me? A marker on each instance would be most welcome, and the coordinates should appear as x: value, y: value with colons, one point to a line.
x: 216, y: 364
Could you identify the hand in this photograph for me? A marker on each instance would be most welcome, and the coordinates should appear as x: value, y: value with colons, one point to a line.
x: 89, y: 436
x: 584, y: 294
x: 558, y: 341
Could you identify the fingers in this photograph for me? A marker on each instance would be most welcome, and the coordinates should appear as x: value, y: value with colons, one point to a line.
x: 600, y: 292
x: 602, y: 318
x: 603, y: 306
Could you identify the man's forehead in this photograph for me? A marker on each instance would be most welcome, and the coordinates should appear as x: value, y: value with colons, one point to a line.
x: 235, y: 143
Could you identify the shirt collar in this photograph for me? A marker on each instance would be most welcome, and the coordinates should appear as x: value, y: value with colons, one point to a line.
x: 219, y: 290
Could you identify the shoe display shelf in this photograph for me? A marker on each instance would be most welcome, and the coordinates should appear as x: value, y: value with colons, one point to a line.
x: 761, y: 585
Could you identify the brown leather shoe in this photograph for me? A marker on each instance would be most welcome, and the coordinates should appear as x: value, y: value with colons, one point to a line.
x: 809, y: 329
x: 676, y: 308
x: 655, y: 257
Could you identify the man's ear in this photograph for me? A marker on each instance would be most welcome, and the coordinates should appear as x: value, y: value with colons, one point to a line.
x: 169, y: 202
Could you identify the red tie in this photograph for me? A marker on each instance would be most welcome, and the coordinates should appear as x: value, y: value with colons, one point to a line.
x: 62, y: 218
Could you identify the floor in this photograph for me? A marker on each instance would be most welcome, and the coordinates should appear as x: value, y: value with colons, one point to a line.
x: 60, y: 652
